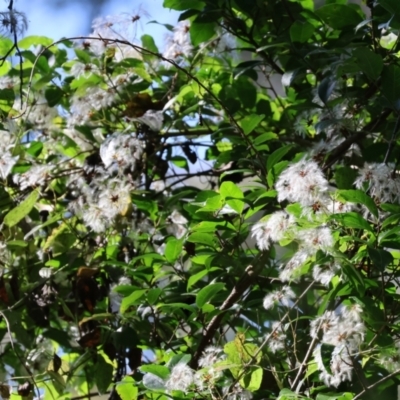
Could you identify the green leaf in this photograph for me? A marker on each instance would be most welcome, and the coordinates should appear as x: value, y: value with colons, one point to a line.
x: 149, y: 43
x: 7, y: 97
x: 147, y: 205
x: 354, y: 277
x: 180, y: 162
x: 252, y: 380
x: 29, y: 41
x: 202, y: 238
x: 153, y: 295
x: 35, y: 148
x: 301, y: 31
x: 127, y: 389
x: 232, y: 195
x: 345, y: 177
x: 325, y: 89
x: 286, y: 394
x: 181, y: 5
x: 391, y: 85
x: 277, y: 155
x: 201, y: 32
x: 173, y: 250
x: 22, y: 210
x: 196, y: 277
x: 369, y: 62
x: 380, y: 257
x: 335, y: 396
x: 103, y: 375
x: 359, y: 197
x: 250, y: 122
x: 159, y: 370
x: 275, y: 171
x: 339, y: 16
x: 131, y: 300
x: 207, y: 293
x: 58, y: 381
x: 352, y: 220
x: 53, y: 95
x: 393, y: 6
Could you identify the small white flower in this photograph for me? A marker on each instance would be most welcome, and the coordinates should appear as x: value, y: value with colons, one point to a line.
x: 324, y: 273
x: 381, y: 181
x: 95, y: 219
x: 153, y: 119
x: 291, y: 268
x: 13, y: 21
x: 302, y: 183
x: 237, y: 393
x: 181, y: 378
x: 278, y: 337
x: 36, y: 176
x: 210, y: 356
x: 316, y: 238
x: 80, y: 69
x: 283, y: 296
x: 178, y: 44
x: 122, y: 150
x: 272, y: 230
x: 7, y: 162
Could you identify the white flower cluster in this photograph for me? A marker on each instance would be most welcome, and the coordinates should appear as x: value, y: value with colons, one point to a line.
x: 283, y: 296
x: 277, y: 340
x: 101, y: 202
x: 36, y: 176
x: 185, y: 379
x: 178, y: 44
x: 121, y: 151
x: 305, y: 184
x: 343, y: 330
x: 83, y: 107
x: 7, y: 159
x: 390, y: 358
x: 381, y: 181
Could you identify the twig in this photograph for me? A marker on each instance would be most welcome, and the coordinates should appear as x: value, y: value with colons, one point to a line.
x: 392, y: 139
x: 358, y: 396
x: 254, y: 357
x: 16, y: 353
x: 241, y: 286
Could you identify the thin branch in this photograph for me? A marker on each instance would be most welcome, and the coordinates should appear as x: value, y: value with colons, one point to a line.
x: 397, y: 372
x: 241, y: 286
x: 392, y: 139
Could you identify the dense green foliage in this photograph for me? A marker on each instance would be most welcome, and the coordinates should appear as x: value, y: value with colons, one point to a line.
x: 217, y: 218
